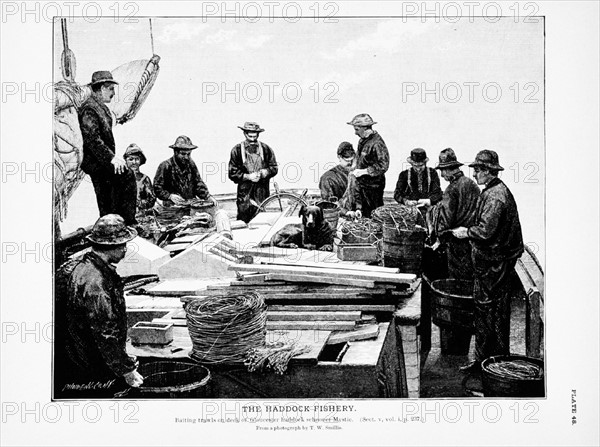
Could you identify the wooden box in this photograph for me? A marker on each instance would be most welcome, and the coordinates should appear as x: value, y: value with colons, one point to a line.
x: 361, y: 252
x: 148, y: 333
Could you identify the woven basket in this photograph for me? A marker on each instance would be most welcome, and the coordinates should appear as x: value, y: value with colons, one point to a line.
x: 173, y: 379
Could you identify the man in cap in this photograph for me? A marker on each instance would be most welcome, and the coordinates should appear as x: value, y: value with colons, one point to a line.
x: 456, y: 209
x: 252, y: 164
x: 114, y: 184
x: 418, y: 185
x: 91, y: 324
x: 497, y: 243
x: 177, y: 180
x: 134, y: 157
x: 334, y: 182
x: 372, y: 162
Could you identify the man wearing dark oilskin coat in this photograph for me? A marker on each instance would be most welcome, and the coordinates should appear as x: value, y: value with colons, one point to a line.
x: 457, y: 208
x: 114, y: 183
x: 497, y: 243
x: 90, y: 357
x: 371, y: 163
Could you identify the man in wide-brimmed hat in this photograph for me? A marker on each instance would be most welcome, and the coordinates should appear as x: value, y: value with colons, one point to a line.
x: 178, y: 180
x: 418, y: 185
x: 114, y: 184
x: 457, y: 208
x: 252, y: 164
x: 334, y: 182
x: 371, y: 163
x: 91, y: 360
x: 497, y: 243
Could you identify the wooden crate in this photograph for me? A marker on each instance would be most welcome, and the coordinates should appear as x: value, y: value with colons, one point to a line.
x: 366, y: 252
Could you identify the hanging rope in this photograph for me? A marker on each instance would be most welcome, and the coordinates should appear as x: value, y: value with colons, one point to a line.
x: 63, y: 25
x: 151, y: 37
x: 67, y: 58
x: 224, y: 328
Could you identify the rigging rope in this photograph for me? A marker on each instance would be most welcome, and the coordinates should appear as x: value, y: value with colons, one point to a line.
x: 151, y: 37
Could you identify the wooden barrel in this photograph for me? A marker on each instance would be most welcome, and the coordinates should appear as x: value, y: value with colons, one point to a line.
x: 502, y: 385
x: 452, y: 308
x: 331, y: 213
x: 403, y: 248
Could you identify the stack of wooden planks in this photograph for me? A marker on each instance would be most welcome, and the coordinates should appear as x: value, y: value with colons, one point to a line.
x: 338, y: 273
x: 307, y: 295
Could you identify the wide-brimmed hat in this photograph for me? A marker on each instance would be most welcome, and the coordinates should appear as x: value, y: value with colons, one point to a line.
x: 250, y: 126
x: 345, y: 150
x: 362, y: 119
x: 417, y: 155
x: 111, y: 230
x: 134, y: 149
x: 100, y: 77
x: 487, y: 159
x: 448, y: 160
x: 183, y: 142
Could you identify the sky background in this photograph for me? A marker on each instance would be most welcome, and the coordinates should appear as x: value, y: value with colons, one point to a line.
x: 489, y: 77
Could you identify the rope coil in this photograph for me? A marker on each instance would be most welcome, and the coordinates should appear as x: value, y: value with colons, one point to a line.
x: 516, y: 369
x: 361, y: 230
x: 224, y: 328
x: 399, y: 217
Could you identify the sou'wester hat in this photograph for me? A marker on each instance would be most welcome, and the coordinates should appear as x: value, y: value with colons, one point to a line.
x: 111, y: 230
x: 487, y: 159
x: 448, y: 160
x: 183, y: 142
x: 250, y: 126
x: 134, y: 149
x: 362, y: 119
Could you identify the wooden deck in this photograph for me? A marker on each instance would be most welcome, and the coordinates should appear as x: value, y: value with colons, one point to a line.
x: 309, y: 299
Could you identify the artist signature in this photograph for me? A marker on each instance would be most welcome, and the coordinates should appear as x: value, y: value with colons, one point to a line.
x: 89, y: 385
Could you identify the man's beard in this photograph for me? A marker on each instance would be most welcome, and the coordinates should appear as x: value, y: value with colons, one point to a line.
x: 183, y: 162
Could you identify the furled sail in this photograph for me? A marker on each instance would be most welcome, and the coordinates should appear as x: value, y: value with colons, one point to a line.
x: 135, y: 80
x: 68, y: 143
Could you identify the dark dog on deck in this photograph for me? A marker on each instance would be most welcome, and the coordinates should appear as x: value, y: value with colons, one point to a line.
x: 313, y: 233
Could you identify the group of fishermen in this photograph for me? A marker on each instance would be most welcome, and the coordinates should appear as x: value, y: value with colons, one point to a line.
x: 481, y: 231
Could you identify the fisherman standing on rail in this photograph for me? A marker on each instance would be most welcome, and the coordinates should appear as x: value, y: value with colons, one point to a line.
x: 497, y: 243
x: 114, y: 183
x: 252, y: 164
x: 371, y: 164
